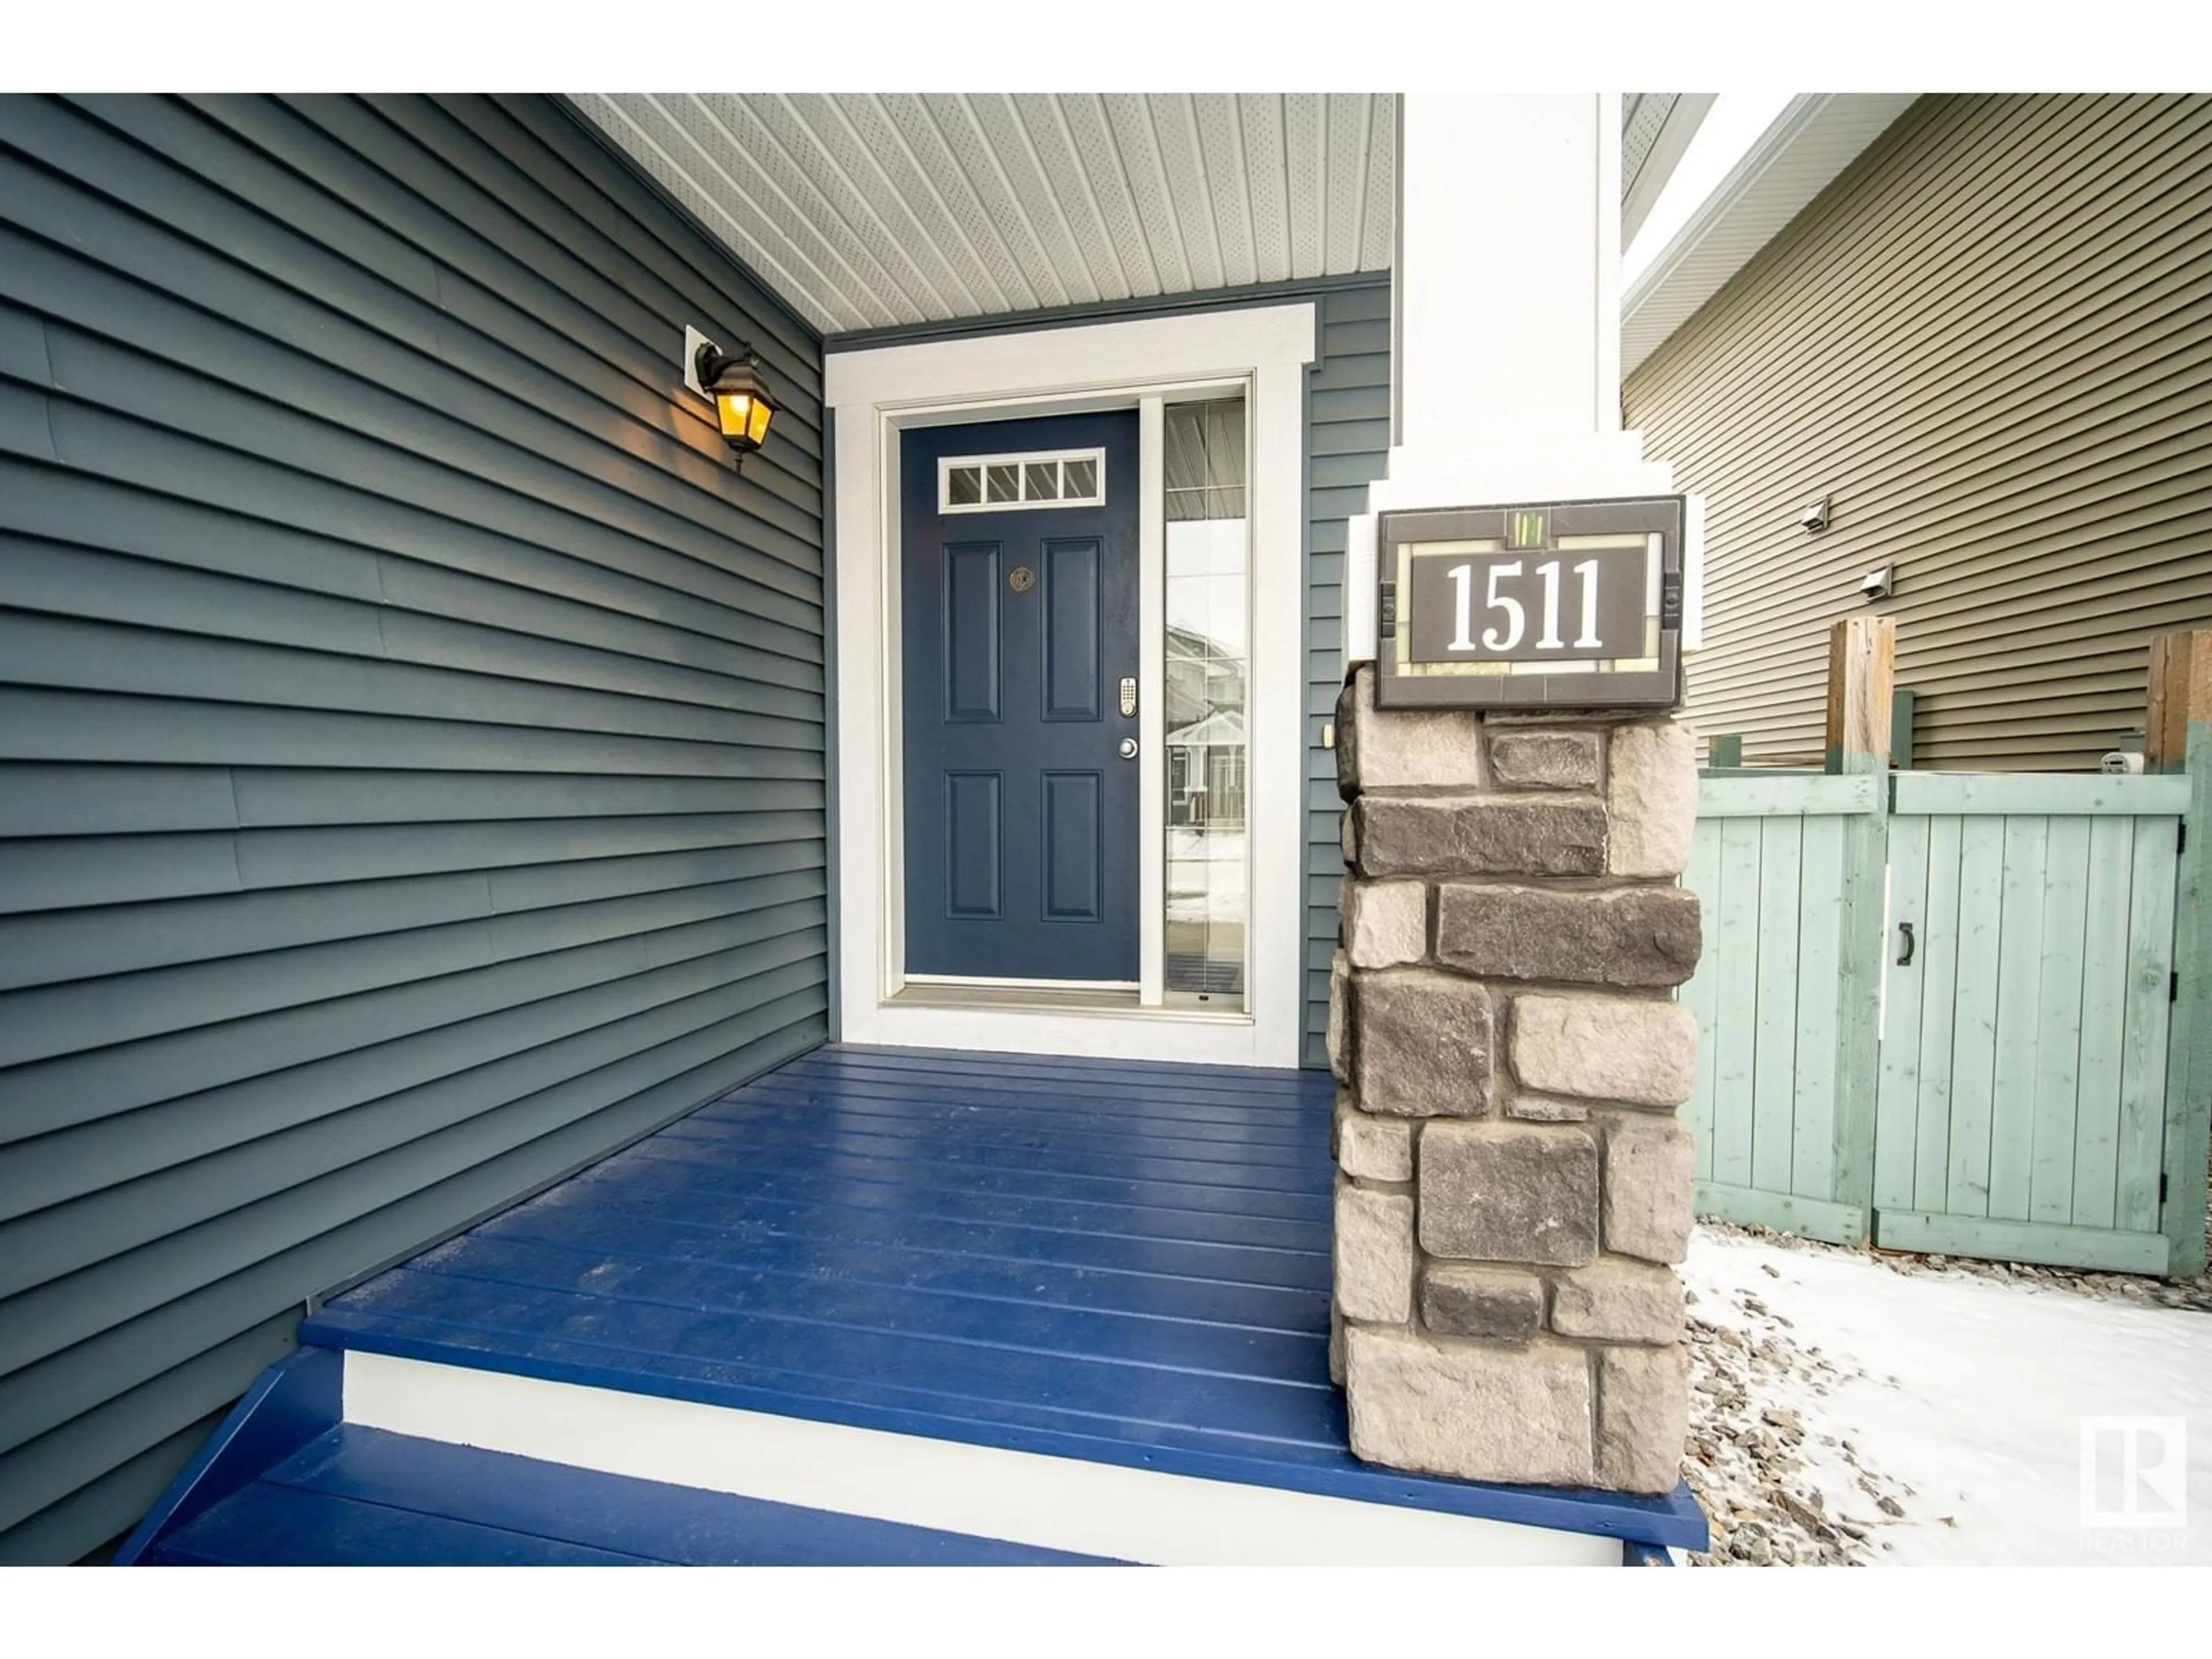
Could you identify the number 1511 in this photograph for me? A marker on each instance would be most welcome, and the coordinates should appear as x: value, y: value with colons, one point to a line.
x: 1517, y: 618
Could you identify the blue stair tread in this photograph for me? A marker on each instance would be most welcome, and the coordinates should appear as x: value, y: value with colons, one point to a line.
x: 452, y: 1315
x: 362, y: 1496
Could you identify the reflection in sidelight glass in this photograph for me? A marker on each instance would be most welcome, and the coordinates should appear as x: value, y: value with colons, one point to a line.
x: 1208, y: 664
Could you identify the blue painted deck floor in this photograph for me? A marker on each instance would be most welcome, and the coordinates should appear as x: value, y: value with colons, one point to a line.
x: 1125, y: 1262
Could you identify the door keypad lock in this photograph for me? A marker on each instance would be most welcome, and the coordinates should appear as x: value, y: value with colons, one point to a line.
x: 1128, y: 695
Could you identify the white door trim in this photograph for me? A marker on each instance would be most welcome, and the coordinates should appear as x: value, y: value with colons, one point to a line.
x: 875, y: 393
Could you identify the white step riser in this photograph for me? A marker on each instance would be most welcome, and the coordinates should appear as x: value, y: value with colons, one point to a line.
x: 1053, y: 1503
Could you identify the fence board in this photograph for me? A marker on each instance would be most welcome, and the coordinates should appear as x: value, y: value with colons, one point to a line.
x: 1897, y: 1104
x: 2042, y: 793
x: 1775, y: 1062
x: 1784, y: 795
x: 2022, y: 1240
x: 2103, y: 1002
x: 2020, y: 984
x: 1820, y: 941
x: 1974, y: 1022
x: 2142, y: 1054
x: 1808, y: 1217
x: 1736, y: 974
x: 1939, y: 999
x: 2058, y: 1022
x: 1701, y: 996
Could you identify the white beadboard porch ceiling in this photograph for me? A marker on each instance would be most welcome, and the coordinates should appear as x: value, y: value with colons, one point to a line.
x: 870, y: 210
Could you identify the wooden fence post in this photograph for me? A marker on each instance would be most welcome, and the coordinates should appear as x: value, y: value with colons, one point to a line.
x: 2178, y: 736
x: 1861, y: 675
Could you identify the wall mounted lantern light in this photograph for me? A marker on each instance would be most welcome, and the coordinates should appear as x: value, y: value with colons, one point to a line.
x: 743, y: 401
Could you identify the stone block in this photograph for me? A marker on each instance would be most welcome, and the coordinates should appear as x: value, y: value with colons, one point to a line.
x: 1650, y: 1186
x: 1335, y: 1346
x: 1545, y: 1108
x: 1598, y: 1048
x: 1373, y: 1148
x: 1386, y: 923
x: 1402, y: 748
x: 1339, y: 1027
x: 1651, y: 793
x: 1643, y: 1416
x: 1344, y: 844
x: 1470, y: 1410
x: 1422, y: 1044
x: 1615, y: 1300
x: 1481, y: 835
x: 1374, y: 1254
x: 1510, y: 1191
x: 1544, y: 759
x: 1457, y: 1300
x: 1625, y: 936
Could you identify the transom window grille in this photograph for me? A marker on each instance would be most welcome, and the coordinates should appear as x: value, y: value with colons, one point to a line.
x: 1003, y: 484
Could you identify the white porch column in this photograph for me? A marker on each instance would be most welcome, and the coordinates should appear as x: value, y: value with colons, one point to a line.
x: 1505, y: 362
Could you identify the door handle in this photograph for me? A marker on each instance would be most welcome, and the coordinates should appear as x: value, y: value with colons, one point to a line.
x: 1905, y: 928
x: 1128, y: 748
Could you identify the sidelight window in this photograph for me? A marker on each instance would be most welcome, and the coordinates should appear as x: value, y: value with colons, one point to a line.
x: 1208, y: 670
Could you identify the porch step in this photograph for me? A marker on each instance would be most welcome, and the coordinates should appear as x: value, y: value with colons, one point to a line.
x: 1079, y: 1306
x: 361, y: 1497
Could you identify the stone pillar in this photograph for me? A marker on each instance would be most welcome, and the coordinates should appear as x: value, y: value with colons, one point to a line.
x: 1513, y: 1187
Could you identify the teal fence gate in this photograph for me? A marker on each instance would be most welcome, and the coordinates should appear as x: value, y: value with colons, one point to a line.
x: 2001, y: 1087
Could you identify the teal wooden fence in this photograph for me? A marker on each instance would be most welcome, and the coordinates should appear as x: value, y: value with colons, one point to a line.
x: 2000, y: 1088
x: 1767, y: 863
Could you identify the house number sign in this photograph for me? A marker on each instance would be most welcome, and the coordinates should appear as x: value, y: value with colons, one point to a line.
x: 1556, y: 604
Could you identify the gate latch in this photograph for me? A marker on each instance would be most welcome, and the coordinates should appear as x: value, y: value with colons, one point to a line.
x: 1905, y: 928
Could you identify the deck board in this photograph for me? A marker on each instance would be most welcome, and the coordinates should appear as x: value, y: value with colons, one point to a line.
x: 1119, y: 1261
x: 361, y: 1497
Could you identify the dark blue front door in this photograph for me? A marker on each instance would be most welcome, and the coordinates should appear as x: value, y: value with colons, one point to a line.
x: 1019, y: 600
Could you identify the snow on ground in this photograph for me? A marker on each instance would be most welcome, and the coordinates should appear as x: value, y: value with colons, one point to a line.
x: 1825, y: 1383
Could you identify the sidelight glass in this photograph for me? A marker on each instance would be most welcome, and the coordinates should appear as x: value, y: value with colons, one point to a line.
x: 1208, y: 660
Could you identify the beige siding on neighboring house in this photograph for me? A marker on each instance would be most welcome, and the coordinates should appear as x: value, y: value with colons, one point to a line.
x: 1989, y: 343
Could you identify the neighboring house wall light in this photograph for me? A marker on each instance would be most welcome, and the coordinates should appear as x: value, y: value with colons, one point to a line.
x: 743, y: 403
x: 1814, y: 518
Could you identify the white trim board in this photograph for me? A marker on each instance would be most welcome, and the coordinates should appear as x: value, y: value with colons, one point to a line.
x: 1023, y: 1498
x: 1262, y: 349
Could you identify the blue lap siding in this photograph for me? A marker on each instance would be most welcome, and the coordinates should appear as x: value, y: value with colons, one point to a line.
x: 411, y: 729
x: 1347, y: 444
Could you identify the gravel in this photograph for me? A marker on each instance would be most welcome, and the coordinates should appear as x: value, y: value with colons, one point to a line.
x: 1745, y: 1458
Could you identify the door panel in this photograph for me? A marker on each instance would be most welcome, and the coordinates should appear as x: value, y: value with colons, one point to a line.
x: 1074, y: 832
x: 1072, y: 623
x: 970, y: 649
x: 1018, y: 625
x: 971, y: 845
